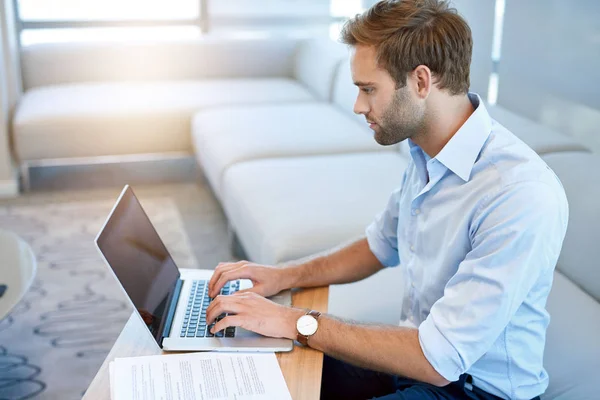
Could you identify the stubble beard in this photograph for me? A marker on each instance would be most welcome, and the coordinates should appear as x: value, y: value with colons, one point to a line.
x: 400, y: 121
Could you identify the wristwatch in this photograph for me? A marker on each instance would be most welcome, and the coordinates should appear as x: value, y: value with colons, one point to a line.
x: 306, y: 326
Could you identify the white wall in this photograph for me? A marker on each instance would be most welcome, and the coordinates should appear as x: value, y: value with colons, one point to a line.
x: 9, y: 94
x: 479, y: 14
x: 549, y: 65
x: 480, y: 17
x: 296, y: 18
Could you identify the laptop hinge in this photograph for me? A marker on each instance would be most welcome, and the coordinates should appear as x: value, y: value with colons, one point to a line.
x: 171, y: 312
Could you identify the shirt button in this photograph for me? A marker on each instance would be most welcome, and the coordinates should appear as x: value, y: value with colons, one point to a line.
x: 412, y: 248
x: 412, y: 284
x: 417, y: 211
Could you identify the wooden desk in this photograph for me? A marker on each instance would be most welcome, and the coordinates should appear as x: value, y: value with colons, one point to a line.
x: 301, y: 367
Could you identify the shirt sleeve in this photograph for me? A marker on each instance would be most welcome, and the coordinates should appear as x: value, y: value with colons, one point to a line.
x: 382, y: 233
x: 516, y: 236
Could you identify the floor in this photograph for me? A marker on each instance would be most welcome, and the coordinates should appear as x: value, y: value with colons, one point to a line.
x: 204, y: 221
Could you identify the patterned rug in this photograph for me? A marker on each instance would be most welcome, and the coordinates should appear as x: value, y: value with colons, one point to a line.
x: 56, y: 338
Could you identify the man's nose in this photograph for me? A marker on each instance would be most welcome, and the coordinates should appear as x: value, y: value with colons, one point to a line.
x: 360, y: 106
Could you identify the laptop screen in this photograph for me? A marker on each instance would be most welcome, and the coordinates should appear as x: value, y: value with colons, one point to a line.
x: 140, y: 260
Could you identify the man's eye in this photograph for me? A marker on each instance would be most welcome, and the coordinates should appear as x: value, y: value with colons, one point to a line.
x: 367, y: 90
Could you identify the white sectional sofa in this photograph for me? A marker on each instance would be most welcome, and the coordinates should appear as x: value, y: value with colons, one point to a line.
x: 271, y: 124
x: 138, y: 99
x: 572, y: 355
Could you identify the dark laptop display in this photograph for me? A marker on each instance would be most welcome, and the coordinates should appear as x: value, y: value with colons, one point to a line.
x: 140, y: 261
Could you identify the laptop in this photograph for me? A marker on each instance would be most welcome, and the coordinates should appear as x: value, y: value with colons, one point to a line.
x: 171, y: 302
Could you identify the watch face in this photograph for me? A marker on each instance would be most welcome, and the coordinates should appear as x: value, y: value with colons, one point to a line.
x: 307, y: 325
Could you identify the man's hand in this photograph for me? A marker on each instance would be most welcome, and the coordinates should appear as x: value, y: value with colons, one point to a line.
x: 254, y: 313
x: 267, y: 280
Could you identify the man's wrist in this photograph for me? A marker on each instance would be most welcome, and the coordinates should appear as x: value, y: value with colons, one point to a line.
x: 291, y: 330
x: 298, y: 275
x: 290, y: 276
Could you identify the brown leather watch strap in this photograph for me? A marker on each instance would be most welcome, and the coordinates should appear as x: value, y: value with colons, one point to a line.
x: 314, y: 313
x: 303, y: 339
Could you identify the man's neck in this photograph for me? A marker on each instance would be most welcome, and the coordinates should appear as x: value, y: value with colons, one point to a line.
x: 445, y: 117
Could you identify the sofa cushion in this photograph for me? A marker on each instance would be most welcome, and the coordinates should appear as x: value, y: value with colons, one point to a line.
x: 97, y: 119
x: 284, y: 209
x: 540, y: 138
x: 225, y: 136
x: 316, y: 64
x: 572, y: 353
x: 580, y: 175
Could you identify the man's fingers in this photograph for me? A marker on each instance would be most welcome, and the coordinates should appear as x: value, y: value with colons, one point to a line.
x: 222, y: 304
x: 255, y: 289
x: 230, y: 320
x: 242, y: 272
x: 213, y: 284
x: 222, y: 267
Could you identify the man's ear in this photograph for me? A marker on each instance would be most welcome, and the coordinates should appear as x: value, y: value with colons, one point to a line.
x: 423, y: 81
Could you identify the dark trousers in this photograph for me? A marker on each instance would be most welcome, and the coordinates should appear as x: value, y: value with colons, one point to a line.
x: 344, y: 381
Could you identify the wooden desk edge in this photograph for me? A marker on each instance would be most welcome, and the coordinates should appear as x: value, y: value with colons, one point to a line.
x: 301, y: 367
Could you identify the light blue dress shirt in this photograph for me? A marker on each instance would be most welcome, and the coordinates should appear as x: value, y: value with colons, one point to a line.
x: 477, y: 231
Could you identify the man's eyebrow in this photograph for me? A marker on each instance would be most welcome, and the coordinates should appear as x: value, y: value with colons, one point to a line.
x: 359, y: 84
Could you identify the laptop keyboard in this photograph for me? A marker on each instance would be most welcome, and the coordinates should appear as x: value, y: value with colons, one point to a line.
x: 194, y: 323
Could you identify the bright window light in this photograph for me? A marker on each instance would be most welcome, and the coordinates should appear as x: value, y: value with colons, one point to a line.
x: 297, y: 18
x: 496, y: 51
x: 98, y: 10
x: 346, y: 8
x: 493, y: 89
x: 498, y: 26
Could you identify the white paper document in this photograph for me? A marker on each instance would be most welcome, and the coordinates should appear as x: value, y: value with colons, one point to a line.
x: 198, y: 376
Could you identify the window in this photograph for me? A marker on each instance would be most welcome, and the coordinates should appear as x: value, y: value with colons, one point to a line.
x: 112, y: 20
x: 102, y: 10
x: 101, y: 20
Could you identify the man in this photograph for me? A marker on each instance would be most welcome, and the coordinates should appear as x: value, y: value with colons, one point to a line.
x: 476, y: 225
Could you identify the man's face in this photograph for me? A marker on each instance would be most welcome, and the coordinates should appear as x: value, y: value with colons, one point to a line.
x: 393, y: 114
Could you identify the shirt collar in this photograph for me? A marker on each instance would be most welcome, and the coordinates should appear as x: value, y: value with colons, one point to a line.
x: 461, y: 151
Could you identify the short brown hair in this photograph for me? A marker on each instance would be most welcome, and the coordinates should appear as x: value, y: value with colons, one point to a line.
x: 409, y: 33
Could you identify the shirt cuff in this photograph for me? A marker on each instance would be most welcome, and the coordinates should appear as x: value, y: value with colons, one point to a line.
x: 386, y: 255
x: 440, y: 353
